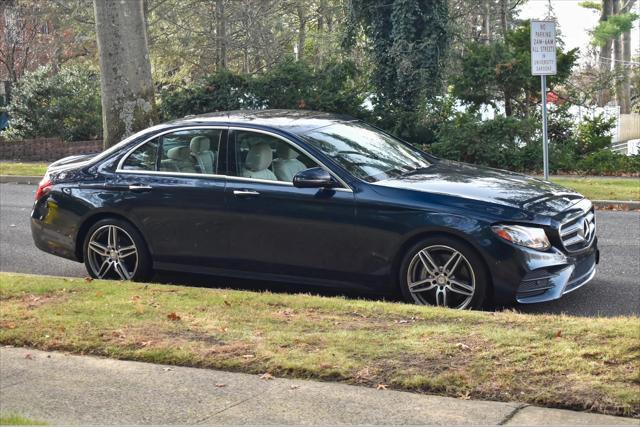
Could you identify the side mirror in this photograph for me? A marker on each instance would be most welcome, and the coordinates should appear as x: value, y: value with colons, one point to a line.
x: 314, y: 178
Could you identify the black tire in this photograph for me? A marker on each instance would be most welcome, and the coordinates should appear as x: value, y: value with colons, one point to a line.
x: 437, y: 245
x: 139, y: 271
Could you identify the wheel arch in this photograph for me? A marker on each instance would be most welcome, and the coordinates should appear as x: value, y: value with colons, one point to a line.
x: 452, y: 234
x: 91, y: 220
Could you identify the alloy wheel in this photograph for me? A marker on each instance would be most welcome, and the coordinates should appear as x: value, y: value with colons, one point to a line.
x: 112, y: 253
x: 441, y: 275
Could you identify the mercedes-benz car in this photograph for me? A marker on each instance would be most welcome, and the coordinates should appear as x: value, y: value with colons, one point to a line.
x: 316, y: 199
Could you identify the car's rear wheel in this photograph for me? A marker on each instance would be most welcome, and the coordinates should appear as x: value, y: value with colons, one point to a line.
x: 114, y: 249
x: 443, y: 271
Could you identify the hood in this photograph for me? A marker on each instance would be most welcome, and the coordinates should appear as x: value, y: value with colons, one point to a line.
x: 488, y: 185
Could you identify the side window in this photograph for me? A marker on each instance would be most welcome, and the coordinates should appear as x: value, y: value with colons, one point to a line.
x: 143, y: 158
x: 190, y: 151
x: 262, y: 156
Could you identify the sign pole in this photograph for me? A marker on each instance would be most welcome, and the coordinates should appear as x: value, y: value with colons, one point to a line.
x: 543, y: 64
x: 545, y: 139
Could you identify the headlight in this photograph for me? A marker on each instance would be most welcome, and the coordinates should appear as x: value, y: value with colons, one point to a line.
x: 530, y: 237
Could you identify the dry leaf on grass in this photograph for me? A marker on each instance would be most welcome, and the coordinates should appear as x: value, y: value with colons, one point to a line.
x: 173, y: 316
x: 381, y: 387
x: 88, y: 279
x: 558, y: 334
x: 266, y: 376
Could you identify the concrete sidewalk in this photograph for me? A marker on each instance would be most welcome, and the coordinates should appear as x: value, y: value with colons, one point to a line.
x: 64, y: 389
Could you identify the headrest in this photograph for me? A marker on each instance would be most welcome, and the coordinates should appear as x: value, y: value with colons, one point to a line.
x: 285, y: 152
x: 259, y: 157
x: 199, y: 144
x: 179, y: 153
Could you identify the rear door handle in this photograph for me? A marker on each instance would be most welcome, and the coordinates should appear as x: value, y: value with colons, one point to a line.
x: 245, y: 193
x: 137, y: 187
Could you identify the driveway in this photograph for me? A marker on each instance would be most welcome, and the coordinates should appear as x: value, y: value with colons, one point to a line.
x: 614, y: 291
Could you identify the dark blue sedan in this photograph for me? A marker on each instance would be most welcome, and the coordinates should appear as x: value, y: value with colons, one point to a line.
x: 318, y: 199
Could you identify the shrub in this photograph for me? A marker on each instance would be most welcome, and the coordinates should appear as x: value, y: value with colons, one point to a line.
x: 606, y: 162
x: 335, y: 87
x: 64, y: 104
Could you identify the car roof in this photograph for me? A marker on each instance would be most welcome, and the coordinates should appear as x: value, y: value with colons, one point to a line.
x: 294, y: 121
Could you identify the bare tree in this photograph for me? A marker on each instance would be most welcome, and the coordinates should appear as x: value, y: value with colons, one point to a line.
x: 125, y: 70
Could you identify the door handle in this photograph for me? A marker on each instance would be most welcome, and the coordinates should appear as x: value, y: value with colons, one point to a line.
x: 245, y: 193
x: 137, y: 187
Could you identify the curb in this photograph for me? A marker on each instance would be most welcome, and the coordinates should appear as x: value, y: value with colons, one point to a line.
x: 19, y: 179
x: 598, y: 204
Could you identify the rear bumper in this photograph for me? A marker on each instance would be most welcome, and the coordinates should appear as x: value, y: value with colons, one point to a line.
x: 49, y: 236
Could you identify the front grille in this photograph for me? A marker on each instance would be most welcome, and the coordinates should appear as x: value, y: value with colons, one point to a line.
x: 578, y: 233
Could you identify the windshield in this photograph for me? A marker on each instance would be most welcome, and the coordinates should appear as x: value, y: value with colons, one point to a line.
x: 366, y: 152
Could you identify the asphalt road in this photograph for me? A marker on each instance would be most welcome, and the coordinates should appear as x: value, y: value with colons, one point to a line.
x: 614, y: 291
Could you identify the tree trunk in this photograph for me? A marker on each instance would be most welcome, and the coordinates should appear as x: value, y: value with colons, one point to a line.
x: 625, y: 104
x: 302, y: 31
x: 618, y: 65
x: 504, y: 18
x: 605, y: 52
x: 125, y: 71
x: 487, y: 22
x: 221, y: 36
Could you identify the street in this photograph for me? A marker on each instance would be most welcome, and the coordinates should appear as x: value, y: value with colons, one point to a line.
x: 614, y: 291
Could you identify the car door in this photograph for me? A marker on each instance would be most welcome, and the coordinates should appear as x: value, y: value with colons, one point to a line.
x: 276, y: 228
x: 176, y: 194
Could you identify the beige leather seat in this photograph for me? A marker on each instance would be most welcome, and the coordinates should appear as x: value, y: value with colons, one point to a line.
x: 257, y: 164
x: 201, y: 150
x: 178, y: 160
x: 287, y: 164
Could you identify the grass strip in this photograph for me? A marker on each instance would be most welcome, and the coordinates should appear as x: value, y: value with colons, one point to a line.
x: 23, y: 169
x: 551, y: 360
x: 17, y: 420
x: 602, y: 188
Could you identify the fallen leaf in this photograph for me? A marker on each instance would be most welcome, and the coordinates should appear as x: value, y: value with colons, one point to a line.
x: 135, y: 298
x: 220, y: 385
x: 99, y: 294
x: 294, y: 387
x: 463, y: 346
x: 227, y: 303
x: 10, y: 325
x: 381, y: 387
x: 167, y: 369
x: 173, y: 316
x: 88, y: 279
x: 266, y: 376
x: 558, y: 334
x: 29, y: 356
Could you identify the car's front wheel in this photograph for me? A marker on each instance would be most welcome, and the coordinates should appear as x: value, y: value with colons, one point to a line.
x: 114, y: 249
x: 443, y: 271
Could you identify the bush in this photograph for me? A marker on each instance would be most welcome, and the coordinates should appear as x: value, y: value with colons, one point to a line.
x: 291, y: 85
x: 65, y: 105
x: 503, y: 142
x: 606, y: 162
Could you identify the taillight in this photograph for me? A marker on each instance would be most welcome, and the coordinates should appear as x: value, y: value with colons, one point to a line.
x: 44, y: 186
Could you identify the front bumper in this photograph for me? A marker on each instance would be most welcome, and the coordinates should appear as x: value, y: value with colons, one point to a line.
x: 547, y: 283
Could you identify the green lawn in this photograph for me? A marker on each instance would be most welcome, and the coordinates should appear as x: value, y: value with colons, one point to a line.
x: 17, y: 420
x: 552, y: 360
x: 24, y: 169
x: 602, y: 188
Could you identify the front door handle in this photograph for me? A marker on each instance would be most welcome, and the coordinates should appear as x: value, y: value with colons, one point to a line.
x: 138, y: 187
x: 245, y: 193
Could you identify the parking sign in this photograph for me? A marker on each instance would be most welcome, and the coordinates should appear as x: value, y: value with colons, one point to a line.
x: 543, y: 48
